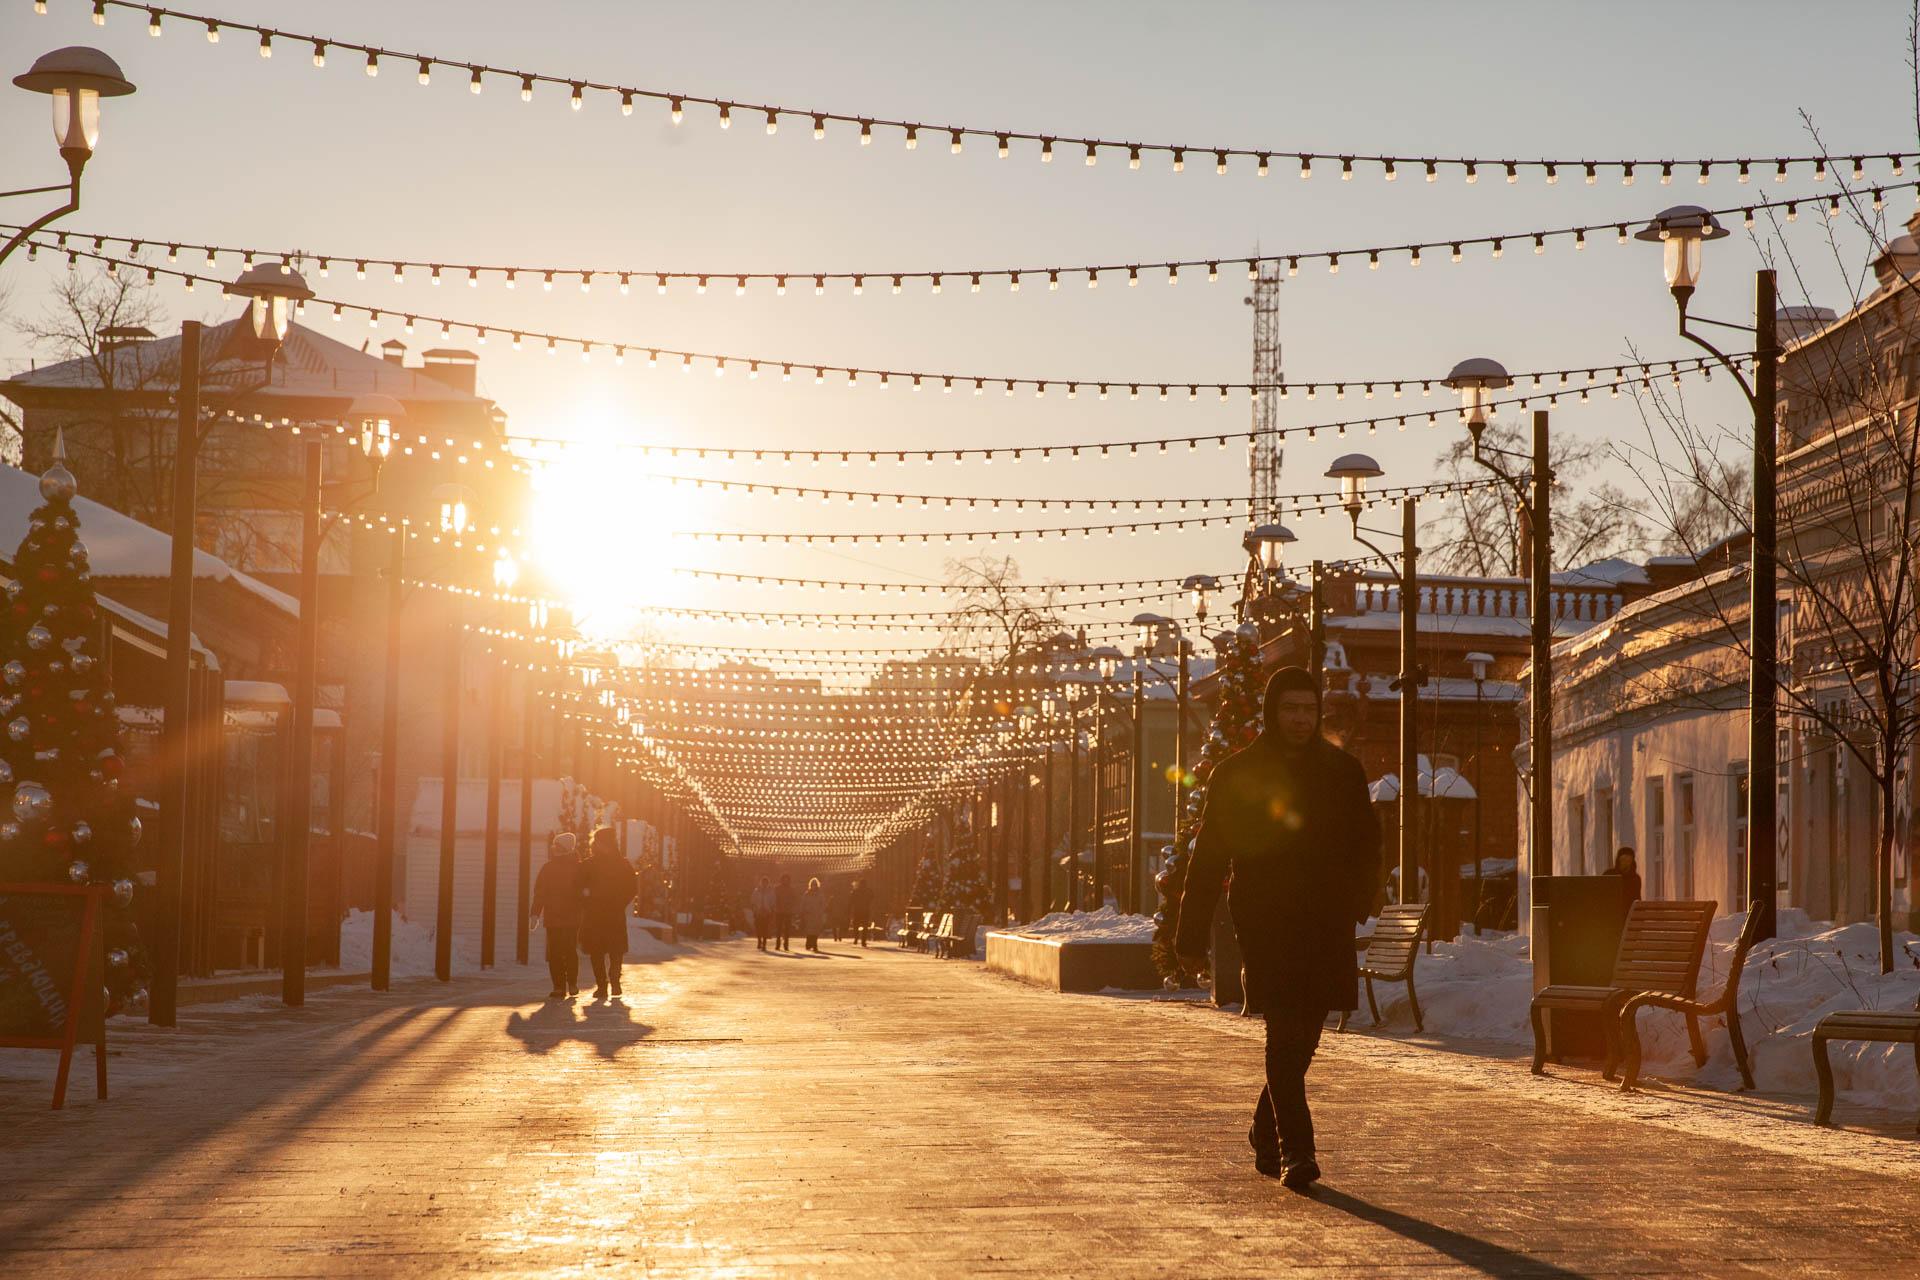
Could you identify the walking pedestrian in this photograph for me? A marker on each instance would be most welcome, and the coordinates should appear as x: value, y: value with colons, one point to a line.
x: 609, y: 884
x: 761, y: 904
x: 556, y: 905
x: 860, y: 910
x: 1289, y: 818
x: 1626, y: 865
x: 813, y: 913
x: 783, y: 905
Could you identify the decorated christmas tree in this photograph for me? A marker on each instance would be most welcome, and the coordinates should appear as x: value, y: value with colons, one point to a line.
x: 1236, y: 722
x: 929, y: 875
x: 67, y: 816
x: 966, y: 881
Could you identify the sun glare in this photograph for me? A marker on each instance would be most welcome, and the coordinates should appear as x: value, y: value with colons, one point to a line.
x: 603, y: 534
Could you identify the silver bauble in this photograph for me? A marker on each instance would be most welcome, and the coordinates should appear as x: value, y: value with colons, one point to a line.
x: 38, y: 637
x: 57, y: 483
x: 133, y: 833
x: 9, y: 832
x: 32, y: 802
x: 117, y: 958
x: 123, y: 891
x: 78, y: 871
x: 14, y: 673
x: 82, y: 663
x: 6, y: 773
x: 82, y: 831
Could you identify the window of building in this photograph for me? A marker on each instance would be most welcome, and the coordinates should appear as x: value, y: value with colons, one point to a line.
x: 1683, y: 847
x: 1737, y: 847
x: 1603, y: 828
x: 1654, y: 876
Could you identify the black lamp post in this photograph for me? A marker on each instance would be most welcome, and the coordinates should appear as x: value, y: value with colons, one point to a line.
x: 1353, y: 470
x: 1682, y: 231
x: 1476, y: 380
x: 76, y: 78
x: 1480, y: 664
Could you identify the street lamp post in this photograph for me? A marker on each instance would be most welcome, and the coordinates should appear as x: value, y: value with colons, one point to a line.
x: 75, y: 78
x: 1683, y: 231
x: 1480, y: 663
x: 1106, y: 661
x: 1353, y: 470
x: 1476, y: 380
x: 1075, y: 692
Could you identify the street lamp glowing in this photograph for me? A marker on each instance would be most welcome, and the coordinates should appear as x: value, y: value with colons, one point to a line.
x: 76, y: 78
x: 1476, y: 380
x: 455, y: 509
x: 506, y: 571
x: 1268, y: 542
x: 1682, y: 229
x: 273, y: 287
x: 375, y: 414
x: 1200, y: 584
x: 1107, y: 660
x: 1353, y: 470
x: 1479, y: 664
x: 1149, y: 623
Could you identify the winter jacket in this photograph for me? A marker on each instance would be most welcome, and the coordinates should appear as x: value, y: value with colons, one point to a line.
x: 761, y: 903
x: 1297, y: 833
x: 860, y: 906
x: 783, y: 899
x: 556, y: 892
x: 609, y: 884
x: 813, y: 913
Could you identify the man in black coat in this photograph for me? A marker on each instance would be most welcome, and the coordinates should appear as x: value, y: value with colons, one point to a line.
x: 1289, y: 818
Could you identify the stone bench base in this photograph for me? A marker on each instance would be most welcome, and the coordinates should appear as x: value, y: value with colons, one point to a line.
x: 1067, y: 964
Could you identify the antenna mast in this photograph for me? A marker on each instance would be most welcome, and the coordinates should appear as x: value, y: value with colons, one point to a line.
x: 1264, y: 452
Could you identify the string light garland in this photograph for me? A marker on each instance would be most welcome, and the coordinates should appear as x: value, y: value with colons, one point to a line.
x: 1173, y: 156
x: 968, y: 280
x: 850, y: 377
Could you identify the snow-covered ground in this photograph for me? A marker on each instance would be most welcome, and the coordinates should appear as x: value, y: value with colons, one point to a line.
x: 1104, y: 925
x: 1479, y: 988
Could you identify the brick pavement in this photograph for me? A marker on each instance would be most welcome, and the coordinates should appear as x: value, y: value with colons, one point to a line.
x: 874, y: 1112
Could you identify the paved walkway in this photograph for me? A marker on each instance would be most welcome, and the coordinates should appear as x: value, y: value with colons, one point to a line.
x: 873, y: 1112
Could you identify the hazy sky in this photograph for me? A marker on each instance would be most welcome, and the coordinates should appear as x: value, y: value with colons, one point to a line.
x: 222, y: 145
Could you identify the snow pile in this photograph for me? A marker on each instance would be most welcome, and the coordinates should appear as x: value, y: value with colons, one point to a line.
x: 412, y: 947
x: 1105, y: 925
x: 1479, y: 988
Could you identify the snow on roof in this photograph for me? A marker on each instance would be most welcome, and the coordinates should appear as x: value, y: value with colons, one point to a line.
x: 257, y: 692
x: 1627, y: 619
x: 119, y: 546
x: 1448, y: 784
x: 310, y: 364
x: 1611, y: 572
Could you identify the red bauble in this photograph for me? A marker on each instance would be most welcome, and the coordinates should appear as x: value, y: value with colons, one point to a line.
x: 49, y: 574
x: 83, y: 707
x: 55, y: 838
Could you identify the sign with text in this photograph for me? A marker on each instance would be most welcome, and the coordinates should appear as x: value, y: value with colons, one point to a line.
x: 50, y: 974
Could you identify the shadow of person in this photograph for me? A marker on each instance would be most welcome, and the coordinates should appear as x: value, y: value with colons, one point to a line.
x: 607, y: 1026
x: 1483, y: 1256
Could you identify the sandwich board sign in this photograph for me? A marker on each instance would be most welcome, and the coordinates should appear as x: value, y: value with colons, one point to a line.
x: 52, y: 969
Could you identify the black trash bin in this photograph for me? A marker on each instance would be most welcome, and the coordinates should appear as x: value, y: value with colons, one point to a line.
x: 1576, y: 924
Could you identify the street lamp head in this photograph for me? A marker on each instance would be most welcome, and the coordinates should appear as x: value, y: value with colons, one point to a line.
x: 1148, y: 624
x: 273, y: 288
x: 506, y: 571
x: 76, y: 78
x: 1023, y: 716
x: 1106, y: 660
x: 374, y: 414
x: 1353, y: 470
x: 1683, y: 228
x: 1200, y: 584
x: 1268, y: 543
x: 454, y: 503
x: 1479, y: 663
x: 1476, y: 380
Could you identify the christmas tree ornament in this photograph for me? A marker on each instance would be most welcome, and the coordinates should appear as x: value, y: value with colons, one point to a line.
x: 38, y: 637
x: 15, y: 673
x: 123, y: 892
x: 9, y: 832
x: 79, y: 872
x: 82, y: 831
x: 31, y: 803
x: 117, y: 958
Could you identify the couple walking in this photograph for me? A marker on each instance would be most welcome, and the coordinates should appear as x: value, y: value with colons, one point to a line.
x: 584, y: 906
x: 775, y: 906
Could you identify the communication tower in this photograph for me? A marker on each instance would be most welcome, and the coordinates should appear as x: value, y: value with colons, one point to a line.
x: 1264, y: 452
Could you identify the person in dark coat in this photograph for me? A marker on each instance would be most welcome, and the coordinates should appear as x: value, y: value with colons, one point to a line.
x: 1289, y: 818
x: 784, y: 902
x: 608, y: 883
x: 1626, y: 865
x: 556, y: 902
x: 860, y: 910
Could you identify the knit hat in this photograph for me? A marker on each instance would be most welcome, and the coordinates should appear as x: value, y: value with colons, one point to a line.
x: 562, y: 843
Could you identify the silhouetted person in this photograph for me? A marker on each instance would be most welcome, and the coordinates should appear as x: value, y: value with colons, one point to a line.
x: 1289, y: 818
x: 860, y: 910
x: 556, y: 903
x: 1627, y: 866
x: 813, y: 913
x: 761, y: 904
x: 783, y: 905
x: 609, y: 884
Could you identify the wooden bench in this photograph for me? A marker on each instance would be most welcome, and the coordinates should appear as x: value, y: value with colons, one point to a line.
x: 1660, y: 950
x: 1391, y: 949
x: 1883, y: 1026
x: 1726, y: 1005
x: 954, y: 938
x: 915, y: 925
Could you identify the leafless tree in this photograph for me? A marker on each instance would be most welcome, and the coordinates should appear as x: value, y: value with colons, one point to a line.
x: 1477, y: 530
x: 998, y: 617
x: 1848, y: 517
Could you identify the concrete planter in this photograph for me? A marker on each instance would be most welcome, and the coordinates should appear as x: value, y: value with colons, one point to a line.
x: 1069, y: 964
